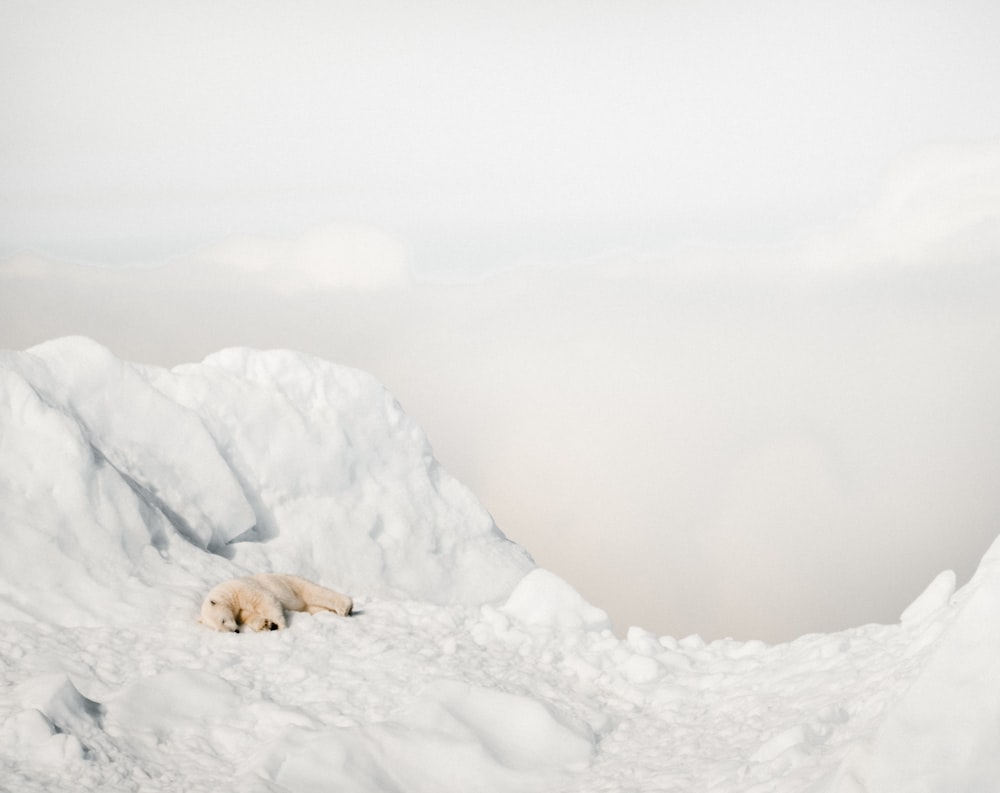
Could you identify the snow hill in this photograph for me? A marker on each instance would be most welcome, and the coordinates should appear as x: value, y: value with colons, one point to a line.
x: 127, y: 491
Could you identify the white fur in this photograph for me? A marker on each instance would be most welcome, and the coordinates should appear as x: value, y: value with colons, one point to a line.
x: 257, y: 602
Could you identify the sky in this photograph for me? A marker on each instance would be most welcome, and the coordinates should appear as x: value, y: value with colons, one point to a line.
x: 698, y: 298
x: 479, y: 133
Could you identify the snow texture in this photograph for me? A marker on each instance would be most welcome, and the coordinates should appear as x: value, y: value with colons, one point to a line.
x: 127, y: 491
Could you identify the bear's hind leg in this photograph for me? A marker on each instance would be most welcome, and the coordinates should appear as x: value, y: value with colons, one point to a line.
x: 315, y: 598
x: 319, y: 598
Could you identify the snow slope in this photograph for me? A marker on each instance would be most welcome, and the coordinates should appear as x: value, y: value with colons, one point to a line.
x: 126, y: 491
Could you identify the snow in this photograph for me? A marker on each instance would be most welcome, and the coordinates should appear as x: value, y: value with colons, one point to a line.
x: 127, y: 491
x: 542, y: 598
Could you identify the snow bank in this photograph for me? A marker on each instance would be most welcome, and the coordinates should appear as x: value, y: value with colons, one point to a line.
x: 944, y: 733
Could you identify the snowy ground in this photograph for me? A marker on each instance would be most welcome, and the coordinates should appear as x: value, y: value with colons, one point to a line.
x: 127, y: 491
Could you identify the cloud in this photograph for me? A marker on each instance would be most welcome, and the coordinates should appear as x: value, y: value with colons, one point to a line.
x: 939, y: 204
x: 332, y: 256
x: 634, y: 124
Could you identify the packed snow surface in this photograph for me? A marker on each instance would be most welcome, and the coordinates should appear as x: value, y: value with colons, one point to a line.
x: 127, y: 491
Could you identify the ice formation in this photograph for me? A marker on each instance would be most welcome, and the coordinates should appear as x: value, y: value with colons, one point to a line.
x: 126, y: 491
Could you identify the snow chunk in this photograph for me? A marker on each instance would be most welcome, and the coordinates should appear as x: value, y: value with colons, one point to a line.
x: 544, y: 599
x: 640, y: 669
x: 944, y: 732
x: 935, y: 597
x: 52, y: 712
x: 31, y: 736
x: 780, y: 744
x: 158, y: 447
x: 77, y: 538
x: 55, y: 696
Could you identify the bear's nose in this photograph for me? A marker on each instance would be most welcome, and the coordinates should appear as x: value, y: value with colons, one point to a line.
x: 274, y: 626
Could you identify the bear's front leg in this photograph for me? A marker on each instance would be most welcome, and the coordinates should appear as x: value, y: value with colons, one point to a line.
x: 263, y: 613
x: 261, y: 623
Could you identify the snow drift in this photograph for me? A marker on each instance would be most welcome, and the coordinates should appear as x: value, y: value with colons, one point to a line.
x: 126, y: 491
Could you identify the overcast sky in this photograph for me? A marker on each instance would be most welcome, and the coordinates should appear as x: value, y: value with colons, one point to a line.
x: 748, y: 385
x: 479, y: 133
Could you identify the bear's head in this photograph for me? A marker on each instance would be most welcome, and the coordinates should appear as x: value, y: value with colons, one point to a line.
x: 218, y: 615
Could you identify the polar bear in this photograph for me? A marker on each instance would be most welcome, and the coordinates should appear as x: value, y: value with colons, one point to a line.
x: 257, y: 602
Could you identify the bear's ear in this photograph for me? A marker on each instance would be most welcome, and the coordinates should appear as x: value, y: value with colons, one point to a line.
x: 211, y: 602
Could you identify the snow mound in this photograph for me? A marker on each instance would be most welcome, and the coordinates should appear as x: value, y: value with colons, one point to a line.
x: 944, y: 733
x: 126, y: 491
x: 936, y: 596
x: 121, y: 481
x: 453, y: 737
x: 543, y: 599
